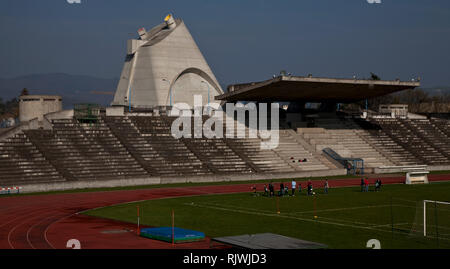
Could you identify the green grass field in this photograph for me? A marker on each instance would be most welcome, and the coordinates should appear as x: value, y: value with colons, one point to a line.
x: 346, y: 218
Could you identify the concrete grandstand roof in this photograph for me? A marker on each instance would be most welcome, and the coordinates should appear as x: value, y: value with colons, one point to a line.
x: 313, y: 89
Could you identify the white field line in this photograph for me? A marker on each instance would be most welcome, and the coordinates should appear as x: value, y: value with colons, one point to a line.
x: 339, y: 209
x: 155, y: 199
x: 390, y: 224
x: 289, y: 213
x: 347, y: 209
x: 233, y: 207
x: 297, y: 218
x: 306, y: 212
x: 271, y: 212
x: 406, y: 200
x: 433, y: 227
x: 303, y: 212
x: 347, y: 221
x: 284, y: 216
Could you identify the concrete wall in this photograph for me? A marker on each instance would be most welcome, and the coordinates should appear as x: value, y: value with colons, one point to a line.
x: 399, y: 169
x: 71, y: 185
x: 168, y: 68
x: 4, y: 130
x: 27, y: 125
x: 36, y: 106
x: 36, y: 123
x: 115, y: 111
x: 439, y: 168
x: 310, y: 130
x: 63, y: 114
x: 416, y: 116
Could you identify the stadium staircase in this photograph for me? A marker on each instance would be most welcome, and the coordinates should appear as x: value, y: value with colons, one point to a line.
x: 293, y: 152
x: 249, y: 148
x: 345, y: 138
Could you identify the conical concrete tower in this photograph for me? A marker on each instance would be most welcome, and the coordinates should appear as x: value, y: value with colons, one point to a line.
x: 165, y: 67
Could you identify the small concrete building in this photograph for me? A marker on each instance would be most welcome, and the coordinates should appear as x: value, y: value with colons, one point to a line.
x: 395, y: 110
x: 36, y: 106
x: 163, y: 67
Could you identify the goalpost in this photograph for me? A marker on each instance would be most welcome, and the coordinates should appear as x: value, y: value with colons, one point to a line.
x: 425, y: 212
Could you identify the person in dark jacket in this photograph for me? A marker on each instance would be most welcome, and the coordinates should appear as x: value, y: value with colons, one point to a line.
x: 271, y: 190
x: 266, y: 191
x: 378, y: 185
x: 310, y: 187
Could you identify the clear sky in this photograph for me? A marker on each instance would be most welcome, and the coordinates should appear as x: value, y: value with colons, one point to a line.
x: 242, y: 40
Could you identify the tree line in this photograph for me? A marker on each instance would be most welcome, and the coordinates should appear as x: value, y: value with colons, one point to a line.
x: 9, y: 108
x: 410, y: 97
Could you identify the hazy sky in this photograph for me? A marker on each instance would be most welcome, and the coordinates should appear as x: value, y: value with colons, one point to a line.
x: 242, y: 40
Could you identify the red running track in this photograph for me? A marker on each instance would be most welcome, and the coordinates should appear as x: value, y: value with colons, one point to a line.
x: 49, y: 221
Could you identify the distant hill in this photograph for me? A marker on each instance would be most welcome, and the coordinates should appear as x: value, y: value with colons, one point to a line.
x: 74, y: 89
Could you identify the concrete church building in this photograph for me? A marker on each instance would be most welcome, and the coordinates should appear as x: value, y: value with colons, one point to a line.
x: 163, y: 67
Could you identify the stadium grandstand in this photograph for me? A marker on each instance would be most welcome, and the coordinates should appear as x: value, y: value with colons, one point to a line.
x: 131, y: 143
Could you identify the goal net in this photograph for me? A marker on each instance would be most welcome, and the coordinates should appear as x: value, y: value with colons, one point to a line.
x: 432, y: 220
